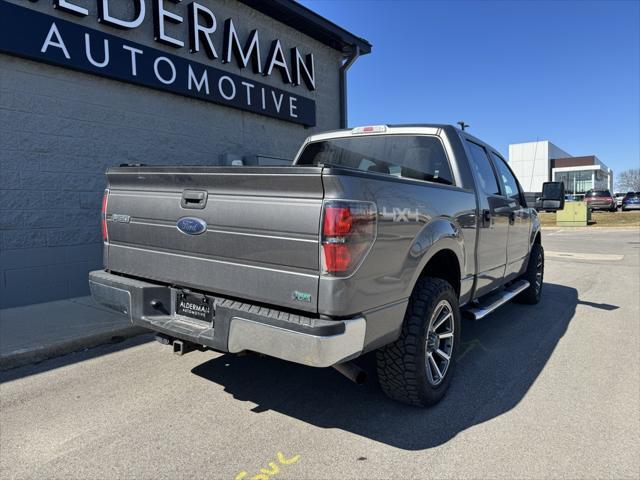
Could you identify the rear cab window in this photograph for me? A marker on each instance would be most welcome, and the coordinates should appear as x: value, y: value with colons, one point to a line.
x: 419, y: 157
x: 598, y: 193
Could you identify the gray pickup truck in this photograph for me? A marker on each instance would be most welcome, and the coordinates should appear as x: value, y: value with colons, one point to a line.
x: 376, y: 238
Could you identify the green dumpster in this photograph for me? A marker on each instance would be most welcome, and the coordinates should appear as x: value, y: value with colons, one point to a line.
x: 574, y: 214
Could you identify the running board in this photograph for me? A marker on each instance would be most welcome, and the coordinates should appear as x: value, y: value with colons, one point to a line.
x: 479, y: 311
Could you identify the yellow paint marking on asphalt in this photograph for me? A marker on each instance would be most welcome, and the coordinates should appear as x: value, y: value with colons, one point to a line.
x: 285, y: 461
x: 273, y: 470
x: 605, y: 257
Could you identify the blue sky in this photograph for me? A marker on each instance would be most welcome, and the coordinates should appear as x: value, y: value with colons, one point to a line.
x: 568, y: 72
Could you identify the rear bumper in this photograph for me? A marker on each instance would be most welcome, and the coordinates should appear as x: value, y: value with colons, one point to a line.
x: 237, y: 326
x: 631, y: 206
x: 601, y: 206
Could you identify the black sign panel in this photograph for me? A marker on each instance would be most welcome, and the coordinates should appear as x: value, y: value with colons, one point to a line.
x: 194, y: 306
x: 37, y: 36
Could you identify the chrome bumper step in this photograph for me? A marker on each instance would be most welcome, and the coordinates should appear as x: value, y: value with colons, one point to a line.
x: 236, y: 326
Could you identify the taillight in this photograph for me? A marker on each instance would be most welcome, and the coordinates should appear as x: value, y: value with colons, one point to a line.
x: 103, y: 216
x: 348, y: 231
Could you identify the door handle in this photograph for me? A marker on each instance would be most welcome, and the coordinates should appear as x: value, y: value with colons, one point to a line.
x: 512, y: 218
x: 486, y: 217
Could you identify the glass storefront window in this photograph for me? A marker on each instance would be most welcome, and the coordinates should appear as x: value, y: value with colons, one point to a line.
x: 580, y: 181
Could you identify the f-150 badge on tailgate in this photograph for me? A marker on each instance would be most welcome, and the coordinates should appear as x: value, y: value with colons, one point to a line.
x: 117, y: 217
x: 191, y: 225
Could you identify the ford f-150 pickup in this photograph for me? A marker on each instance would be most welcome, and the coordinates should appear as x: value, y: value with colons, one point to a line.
x: 376, y: 238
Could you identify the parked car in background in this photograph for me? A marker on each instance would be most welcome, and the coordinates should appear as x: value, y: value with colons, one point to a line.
x: 600, y: 200
x: 631, y: 201
x: 618, y: 198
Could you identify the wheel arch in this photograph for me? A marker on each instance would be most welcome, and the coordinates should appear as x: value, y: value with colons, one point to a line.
x: 536, y: 233
x: 537, y: 239
x: 441, y: 246
x: 444, y: 264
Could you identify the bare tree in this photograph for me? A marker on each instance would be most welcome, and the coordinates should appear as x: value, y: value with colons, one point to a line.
x: 629, y: 180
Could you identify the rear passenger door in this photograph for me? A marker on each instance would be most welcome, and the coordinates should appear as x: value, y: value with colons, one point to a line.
x: 519, y: 219
x: 493, y: 223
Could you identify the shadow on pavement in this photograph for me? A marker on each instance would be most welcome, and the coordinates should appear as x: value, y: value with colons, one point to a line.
x: 602, y: 306
x: 117, y: 344
x: 501, y: 357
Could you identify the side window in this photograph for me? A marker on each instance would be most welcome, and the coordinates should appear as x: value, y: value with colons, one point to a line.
x: 507, y: 179
x: 423, y: 158
x: 483, y: 170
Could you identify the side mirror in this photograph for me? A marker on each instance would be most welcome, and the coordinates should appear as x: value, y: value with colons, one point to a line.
x: 552, y: 196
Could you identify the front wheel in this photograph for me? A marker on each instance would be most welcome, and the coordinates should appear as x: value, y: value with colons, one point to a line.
x: 417, y: 368
x: 534, y: 275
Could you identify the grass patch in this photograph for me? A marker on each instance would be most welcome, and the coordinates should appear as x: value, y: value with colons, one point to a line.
x: 599, y: 219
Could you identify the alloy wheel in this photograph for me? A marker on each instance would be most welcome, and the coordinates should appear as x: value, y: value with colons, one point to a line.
x: 439, y: 343
x: 539, y: 273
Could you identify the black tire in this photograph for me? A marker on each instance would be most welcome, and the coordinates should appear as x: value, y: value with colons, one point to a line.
x: 402, y: 365
x: 532, y: 294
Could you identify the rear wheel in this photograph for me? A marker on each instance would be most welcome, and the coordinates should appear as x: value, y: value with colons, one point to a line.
x: 534, y: 275
x: 417, y: 368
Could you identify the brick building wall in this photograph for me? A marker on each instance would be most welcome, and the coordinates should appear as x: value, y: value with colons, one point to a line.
x: 61, y: 129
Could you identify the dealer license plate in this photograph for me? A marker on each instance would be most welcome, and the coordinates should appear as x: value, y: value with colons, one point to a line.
x: 194, y: 306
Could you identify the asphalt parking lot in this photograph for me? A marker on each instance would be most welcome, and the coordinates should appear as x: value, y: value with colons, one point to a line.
x: 540, y: 391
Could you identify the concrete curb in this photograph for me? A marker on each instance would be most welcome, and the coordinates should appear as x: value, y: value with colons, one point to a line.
x: 19, y: 358
x: 592, y: 227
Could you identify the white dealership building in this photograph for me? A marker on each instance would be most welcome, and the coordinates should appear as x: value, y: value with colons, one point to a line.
x: 537, y: 162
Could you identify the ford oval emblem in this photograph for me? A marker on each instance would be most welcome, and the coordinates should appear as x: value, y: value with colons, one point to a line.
x: 191, y: 225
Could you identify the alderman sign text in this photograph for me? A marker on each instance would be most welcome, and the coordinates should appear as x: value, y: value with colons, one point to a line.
x: 37, y: 36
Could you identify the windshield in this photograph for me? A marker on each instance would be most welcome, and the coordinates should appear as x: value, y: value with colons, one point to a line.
x: 410, y: 156
x: 599, y: 193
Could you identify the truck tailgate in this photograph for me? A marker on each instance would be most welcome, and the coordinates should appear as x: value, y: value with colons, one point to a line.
x: 261, y: 236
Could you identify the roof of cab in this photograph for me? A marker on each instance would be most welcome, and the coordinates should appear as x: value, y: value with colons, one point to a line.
x: 406, y: 128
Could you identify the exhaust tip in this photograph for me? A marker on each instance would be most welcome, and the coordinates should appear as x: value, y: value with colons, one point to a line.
x: 361, y: 378
x: 352, y: 371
